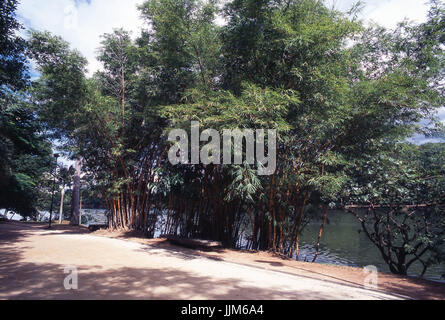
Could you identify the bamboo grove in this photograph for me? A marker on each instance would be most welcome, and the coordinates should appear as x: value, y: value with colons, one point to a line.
x: 337, y: 91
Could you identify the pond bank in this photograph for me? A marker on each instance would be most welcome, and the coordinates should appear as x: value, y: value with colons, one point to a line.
x: 414, y: 288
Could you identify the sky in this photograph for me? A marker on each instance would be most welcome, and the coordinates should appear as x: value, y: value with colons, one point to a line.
x: 82, y: 22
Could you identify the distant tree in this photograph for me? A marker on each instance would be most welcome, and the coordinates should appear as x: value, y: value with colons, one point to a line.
x: 60, y: 94
x: 26, y: 156
x: 405, y: 215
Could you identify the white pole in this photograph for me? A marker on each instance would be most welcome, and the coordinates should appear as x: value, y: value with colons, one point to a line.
x: 61, y: 205
x: 80, y: 210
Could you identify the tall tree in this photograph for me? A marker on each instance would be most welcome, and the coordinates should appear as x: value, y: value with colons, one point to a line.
x: 60, y: 93
x: 24, y: 149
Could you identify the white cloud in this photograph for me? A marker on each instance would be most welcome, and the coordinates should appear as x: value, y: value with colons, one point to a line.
x: 387, y: 13
x: 421, y: 139
x: 390, y: 12
x: 81, y: 23
x: 441, y: 114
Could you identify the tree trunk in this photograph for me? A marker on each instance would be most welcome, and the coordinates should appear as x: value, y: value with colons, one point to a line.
x: 320, y: 234
x: 299, y: 223
x: 75, y: 206
x: 61, y: 205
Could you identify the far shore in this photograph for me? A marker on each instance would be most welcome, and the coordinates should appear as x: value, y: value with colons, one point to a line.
x: 30, y: 246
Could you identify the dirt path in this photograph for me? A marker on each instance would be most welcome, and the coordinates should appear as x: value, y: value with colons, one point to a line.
x: 32, y: 263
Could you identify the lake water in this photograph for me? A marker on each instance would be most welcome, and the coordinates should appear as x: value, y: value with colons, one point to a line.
x: 88, y: 216
x: 342, y: 244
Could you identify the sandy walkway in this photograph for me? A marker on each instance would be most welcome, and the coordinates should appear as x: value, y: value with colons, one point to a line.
x: 32, y: 263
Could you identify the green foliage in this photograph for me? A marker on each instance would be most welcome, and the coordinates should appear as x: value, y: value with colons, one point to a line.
x: 24, y: 149
x: 26, y: 156
x: 13, y: 71
x: 254, y: 108
x: 61, y: 89
x: 245, y: 184
x: 184, y: 44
